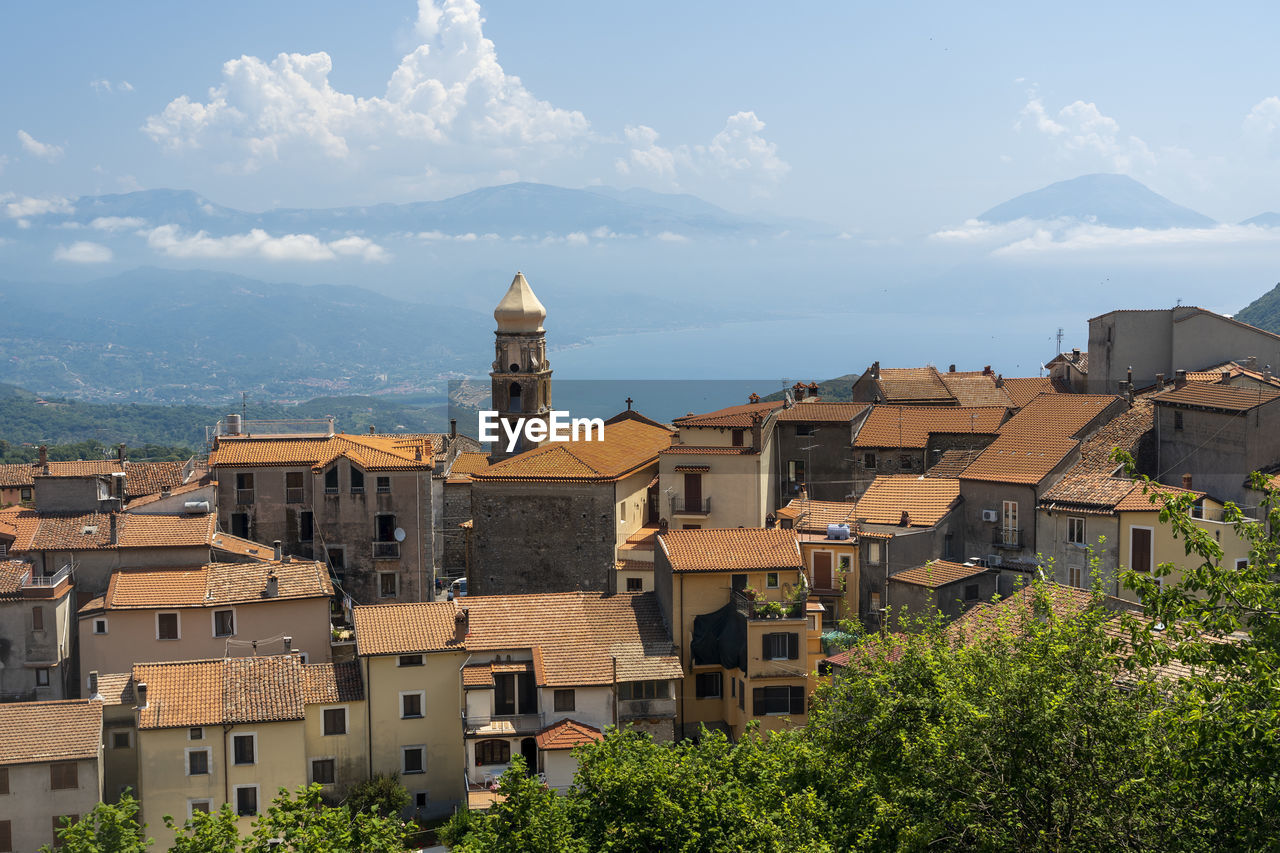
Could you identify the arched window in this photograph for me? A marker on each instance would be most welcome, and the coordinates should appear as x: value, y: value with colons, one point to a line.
x: 492, y: 752
x: 514, y: 394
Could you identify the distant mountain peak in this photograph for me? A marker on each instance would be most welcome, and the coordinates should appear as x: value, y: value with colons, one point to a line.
x: 1114, y: 200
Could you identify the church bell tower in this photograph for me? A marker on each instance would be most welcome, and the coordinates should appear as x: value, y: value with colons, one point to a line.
x: 521, y: 375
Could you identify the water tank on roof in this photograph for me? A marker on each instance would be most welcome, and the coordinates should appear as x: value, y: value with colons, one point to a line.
x: 233, y: 424
x: 196, y: 506
x: 837, y: 531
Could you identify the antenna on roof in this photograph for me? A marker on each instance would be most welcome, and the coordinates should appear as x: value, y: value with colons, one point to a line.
x: 1059, y: 339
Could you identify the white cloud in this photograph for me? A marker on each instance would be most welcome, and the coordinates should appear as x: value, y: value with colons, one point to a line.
x: 36, y: 148
x: 1080, y: 131
x: 117, y: 223
x: 169, y: 240
x: 449, y: 106
x: 738, y: 152
x: 1025, y: 237
x: 670, y: 237
x: 83, y: 252
x: 107, y: 86
x: 21, y: 208
x: 1262, y: 124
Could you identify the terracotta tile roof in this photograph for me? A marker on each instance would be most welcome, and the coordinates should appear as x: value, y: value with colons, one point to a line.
x: 116, y: 688
x: 912, y: 384
x: 952, y: 463
x: 633, y: 565
x: 1228, y: 371
x: 641, y: 540
x: 576, y: 636
x: 23, y: 524
x: 1022, y: 390
x: 937, y: 573
x: 1138, y: 501
x: 980, y: 622
x: 82, y: 468
x: 221, y: 692
x: 1124, y: 431
x: 733, y: 417
x: 150, y: 478
x: 1088, y: 486
x: 17, y: 474
x: 33, y: 732
x: 92, y: 531
x: 705, y: 450
x: 242, y: 547
x: 566, y: 734
x: 401, y: 629
x: 1222, y: 398
x: 820, y: 412
x: 1058, y: 415
x: 1087, y: 493
x: 1066, y: 358
x: 909, y: 426
x: 627, y: 446
x: 1020, y: 458
x: 926, y: 500
x: 477, y: 675
x: 975, y: 388
x: 467, y: 464
x: 12, y: 573
x: 370, y: 452
x: 813, y: 516
x: 215, y: 584
x: 181, y: 489
x: 330, y: 683
x: 730, y: 549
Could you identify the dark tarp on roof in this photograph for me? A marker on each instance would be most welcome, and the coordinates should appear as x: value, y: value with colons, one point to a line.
x: 720, y: 637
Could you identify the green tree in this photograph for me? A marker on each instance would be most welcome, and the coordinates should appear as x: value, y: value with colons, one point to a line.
x: 382, y: 794
x: 527, y: 818
x: 303, y: 823
x: 108, y: 828
x: 215, y: 832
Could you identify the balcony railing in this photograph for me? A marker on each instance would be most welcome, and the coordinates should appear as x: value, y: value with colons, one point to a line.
x: 386, y: 550
x: 35, y: 581
x: 519, y: 723
x: 244, y: 497
x: 765, y: 609
x: 294, y: 494
x: 688, y: 507
x: 630, y: 709
x: 1007, y: 537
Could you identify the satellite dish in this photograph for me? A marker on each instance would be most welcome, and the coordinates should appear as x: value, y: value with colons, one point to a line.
x: 399, y: 534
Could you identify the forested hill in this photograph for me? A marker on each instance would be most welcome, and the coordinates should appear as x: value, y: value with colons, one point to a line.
x: 1263, y: 312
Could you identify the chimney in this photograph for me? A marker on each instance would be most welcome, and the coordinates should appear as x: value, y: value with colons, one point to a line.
x: 273, y: 584
x: 140, y: 693
x: 986, y: 371
x: 93, y: 685
x: 1129, y: 376
x: 279, y: 550
x: 951, y: 369
x: 1252, y: 362
x: 999, y: 380
x: 770, y: 521
x: 288, y: 644
x: 120, y: 453
x: 756, y: 441
x: 1180, y: 378
x: 1266, y: 373
x: 453, y: 425
x: 115, y: 530
x: 417, y: 453
x: 875, y: 370
x: 905, y: 521
x: 461, y: 620
x: 1186, y: 481
x: 1159, y: 381
x: 754, y: 398
x: 44, y: 458
x: 371, y: 429
x: 662, y: 525
x: 1075, y: 356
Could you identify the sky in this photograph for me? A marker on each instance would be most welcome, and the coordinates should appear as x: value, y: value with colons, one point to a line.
x: 886, y: 120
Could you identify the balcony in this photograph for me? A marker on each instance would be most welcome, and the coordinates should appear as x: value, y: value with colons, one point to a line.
x: 683, y: 506
x: 631, y: 709
x: 244, y: 497
x: 294, y: 495
x: 386, y: 550
x: 502, y: 725
x: 1007, y: 537
x: 43, y: 586
x: 765, y: 609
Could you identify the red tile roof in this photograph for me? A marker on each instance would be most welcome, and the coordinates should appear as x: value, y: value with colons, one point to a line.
x: 1215, y: 397
x: 566, y: 734
x: 628, y: 445
x: 149, y: 478
x: 820, y: 412
x: 926, y: 500
x: 331, y: 683
x: 12, y: 573
x: 912, y: 384
x: 370, y: 452
x: 215, y: 584
x: 1020, y: 458
x: 909, y: 426
x: 31, y: 732
x: 1022, y: 390
x: 733, y: 417
x: 399, y: 629
x: 730, y: 549
x: 975, y: 388
x: 814, y: 516
x: 231, y: 690
x: 937, y: 573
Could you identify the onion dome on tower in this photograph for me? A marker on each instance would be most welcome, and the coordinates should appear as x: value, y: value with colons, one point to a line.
x: 520, y: 310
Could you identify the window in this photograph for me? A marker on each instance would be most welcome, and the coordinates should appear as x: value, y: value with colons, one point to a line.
x: 564, y: 700
x: 622, y: 511
x: 420, y: 799
x: 121, y: 739
x: 202, y: 806
x: 246, y: 800
x: 492, y: 752
x: 167, y: 626
x: 335, y: 721
x: 198, y: 761
x: 413, y: 759
x: 777, y: 700
x: 37, y: 619
x: 224, y: 623
x: 24, y: 494
x: 4, y: 550
x: 306, y: 526
x: 99, y: 626
x: 357, y: 481
x: 293, y: 491
x: 409, y: 660
x: 771, y: 580
x: 195, y: 733
x: 805, y: 429
x: 6, y: 836
x: 873, y: 553
x: 62, y: 821
x: 795, y: 471
x: 411, y: 705
x: 245, y: 748
x: 331, y: 481
x: 1075, y: 529
x: 388, y: 584
x: 1242, y: 563
x: 869, y: 461
x: 42, y: 677
x: 635, y: 585
x: 64, y: 775
x: 742, y: 695
x: 4, y: 781
x: 384, y: 485
x: 629, y: 690
x: 733, y: 687
x: 738, y: 438
x: 875, y: 603
x: 244, y: 489
x: 240, y: 524
x: 905, y: 462
x: 846, y: 562
x: 1177, y: 420
x: 322, y: 771
x: 1009, y: 522
x: 1140, y: 549
x: 971, y: 592
x: 780, y: 646
x: 1075, y: 576
x: 707, y: 685
x: 337, y: 557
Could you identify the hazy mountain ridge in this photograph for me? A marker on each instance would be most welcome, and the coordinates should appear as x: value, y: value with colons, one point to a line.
x: 1117, y: 201
x: 1263, y: 312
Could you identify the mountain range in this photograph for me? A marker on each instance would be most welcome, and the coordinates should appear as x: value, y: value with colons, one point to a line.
x: 1117, y: 201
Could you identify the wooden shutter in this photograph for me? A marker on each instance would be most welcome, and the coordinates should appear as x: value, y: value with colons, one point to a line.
x: 793, y: 646
x: 1140, y: 548
x: 766, y: 651
x: 757, y: 702
x: 6, y: 835
x: 822, y: 570
x: 797, y: 700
